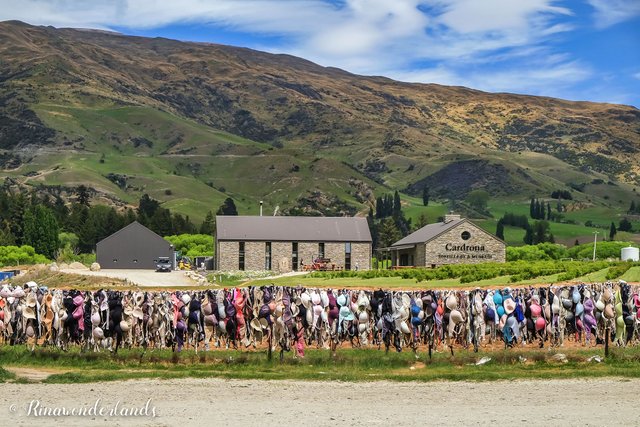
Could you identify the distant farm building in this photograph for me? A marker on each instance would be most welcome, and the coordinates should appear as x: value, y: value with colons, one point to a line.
x: 133, y: 247
x: 291, y: 243
x: 454, y: 241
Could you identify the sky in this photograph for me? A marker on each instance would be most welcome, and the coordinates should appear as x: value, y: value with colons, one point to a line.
x: 584, y: 50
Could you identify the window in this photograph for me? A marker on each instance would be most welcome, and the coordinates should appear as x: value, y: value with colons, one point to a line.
x: 465, y: 235
x: 241, y: 256
x: 320, y: 250
x: 347, y: 256
x: 294, y: 256
x: 267, y: 256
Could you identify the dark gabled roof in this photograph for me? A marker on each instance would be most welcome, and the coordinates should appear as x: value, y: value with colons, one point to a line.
x: 431, y: 231
x: 139, y: 228
x: 292, y: 228
x: 428, y: 232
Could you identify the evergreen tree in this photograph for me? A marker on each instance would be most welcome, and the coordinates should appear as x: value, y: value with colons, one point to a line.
x: 129, y: 217
x: 425, y: 196
x: 500, y: 230
x: 625, y: 225
x: 532, y: 208
x: 548, y: 211
x: 422, y: 221
x: 397, y: 204
x: 612, y: 231
x: 147, y: 207
x: 227, y: 208
x: 388, y: 233
x: 528, y: 235
x: 77, y: 217
x: 161, y: 222
x: 539, y: 210
x: 372, y: 228
x: 17, y: 210
x: 632, y: 208
x: 41, y: 230
x: 379, y: 208
x: 388, y: 205
x: 208, y: 225
x: 6, y: 238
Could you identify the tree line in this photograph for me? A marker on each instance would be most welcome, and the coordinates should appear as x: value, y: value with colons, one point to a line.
x: 38, y: 220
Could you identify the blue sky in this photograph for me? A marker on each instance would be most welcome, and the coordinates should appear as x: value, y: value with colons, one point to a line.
x: 586, y: 50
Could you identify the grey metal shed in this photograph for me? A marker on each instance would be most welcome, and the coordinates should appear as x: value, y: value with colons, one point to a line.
x: 133, y: 247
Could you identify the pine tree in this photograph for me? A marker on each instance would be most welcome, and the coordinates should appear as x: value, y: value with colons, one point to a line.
x: 632, y: 208
x: 612, y: 231
x: 388, y: 233
x: 548, y: 211
x: 532, y: 208
x: 528, y: 235
x: 41, y: 230
x: 625, y: 225
x: 500, y: 230
x: 228, y: 207
x: 379, y: 207
x: 425, y: 196
x: 397, y: 204
x: 208, y: 225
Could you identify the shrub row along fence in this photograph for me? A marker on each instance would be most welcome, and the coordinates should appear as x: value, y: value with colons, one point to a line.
x: 469, y: 273
x: 285, y: 318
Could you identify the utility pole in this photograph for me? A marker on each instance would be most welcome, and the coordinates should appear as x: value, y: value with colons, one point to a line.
x: 595, y: 241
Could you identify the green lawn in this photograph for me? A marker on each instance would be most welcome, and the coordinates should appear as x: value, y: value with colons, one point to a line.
x: 632, y: 275
x: 346, y: 365
x: 597, y: 276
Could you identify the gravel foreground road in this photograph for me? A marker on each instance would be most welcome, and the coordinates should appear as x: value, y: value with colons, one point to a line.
x: 219, y: 402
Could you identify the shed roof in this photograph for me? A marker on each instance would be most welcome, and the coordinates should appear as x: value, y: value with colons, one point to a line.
x: 138, y: 228
x: 292, y: 228
x: 428, y: 232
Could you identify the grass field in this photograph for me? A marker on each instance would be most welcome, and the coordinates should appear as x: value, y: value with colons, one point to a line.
x: 632, y: 275
x: 347, y: 365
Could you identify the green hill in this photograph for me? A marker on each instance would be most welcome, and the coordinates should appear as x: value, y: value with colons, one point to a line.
x: 193, y: 123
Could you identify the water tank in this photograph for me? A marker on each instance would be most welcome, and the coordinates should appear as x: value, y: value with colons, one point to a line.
x: 630, y: 254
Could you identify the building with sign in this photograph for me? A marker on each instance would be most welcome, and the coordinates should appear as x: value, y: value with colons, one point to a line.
x: 454, y: 241
x: 291, y: 243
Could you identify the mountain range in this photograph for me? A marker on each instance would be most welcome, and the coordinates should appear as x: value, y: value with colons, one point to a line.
x: 191, y: 124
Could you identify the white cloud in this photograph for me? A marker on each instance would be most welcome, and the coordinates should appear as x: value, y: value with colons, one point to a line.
x: 550, y: 77
x: 611, y: 12
x: 450, y: 42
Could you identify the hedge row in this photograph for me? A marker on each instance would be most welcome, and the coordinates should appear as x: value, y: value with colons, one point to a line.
x: 469, y: 273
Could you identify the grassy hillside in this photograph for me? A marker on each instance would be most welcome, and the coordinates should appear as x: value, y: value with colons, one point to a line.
x: 191, y: 124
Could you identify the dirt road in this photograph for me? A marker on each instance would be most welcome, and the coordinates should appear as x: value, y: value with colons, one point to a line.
x: 221, y: 402
x: 142, y: 277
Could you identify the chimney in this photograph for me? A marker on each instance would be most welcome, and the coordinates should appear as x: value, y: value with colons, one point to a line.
x: 451, y: 217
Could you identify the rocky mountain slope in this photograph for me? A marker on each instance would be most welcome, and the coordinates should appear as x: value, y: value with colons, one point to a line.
x: 192, y: 123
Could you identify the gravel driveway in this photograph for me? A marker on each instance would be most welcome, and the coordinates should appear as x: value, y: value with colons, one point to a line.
x: 220, y: 402
x: 142, y: 277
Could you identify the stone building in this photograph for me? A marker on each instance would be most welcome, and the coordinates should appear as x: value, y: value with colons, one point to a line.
x: 290, y: 243
x: 454, y: 241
